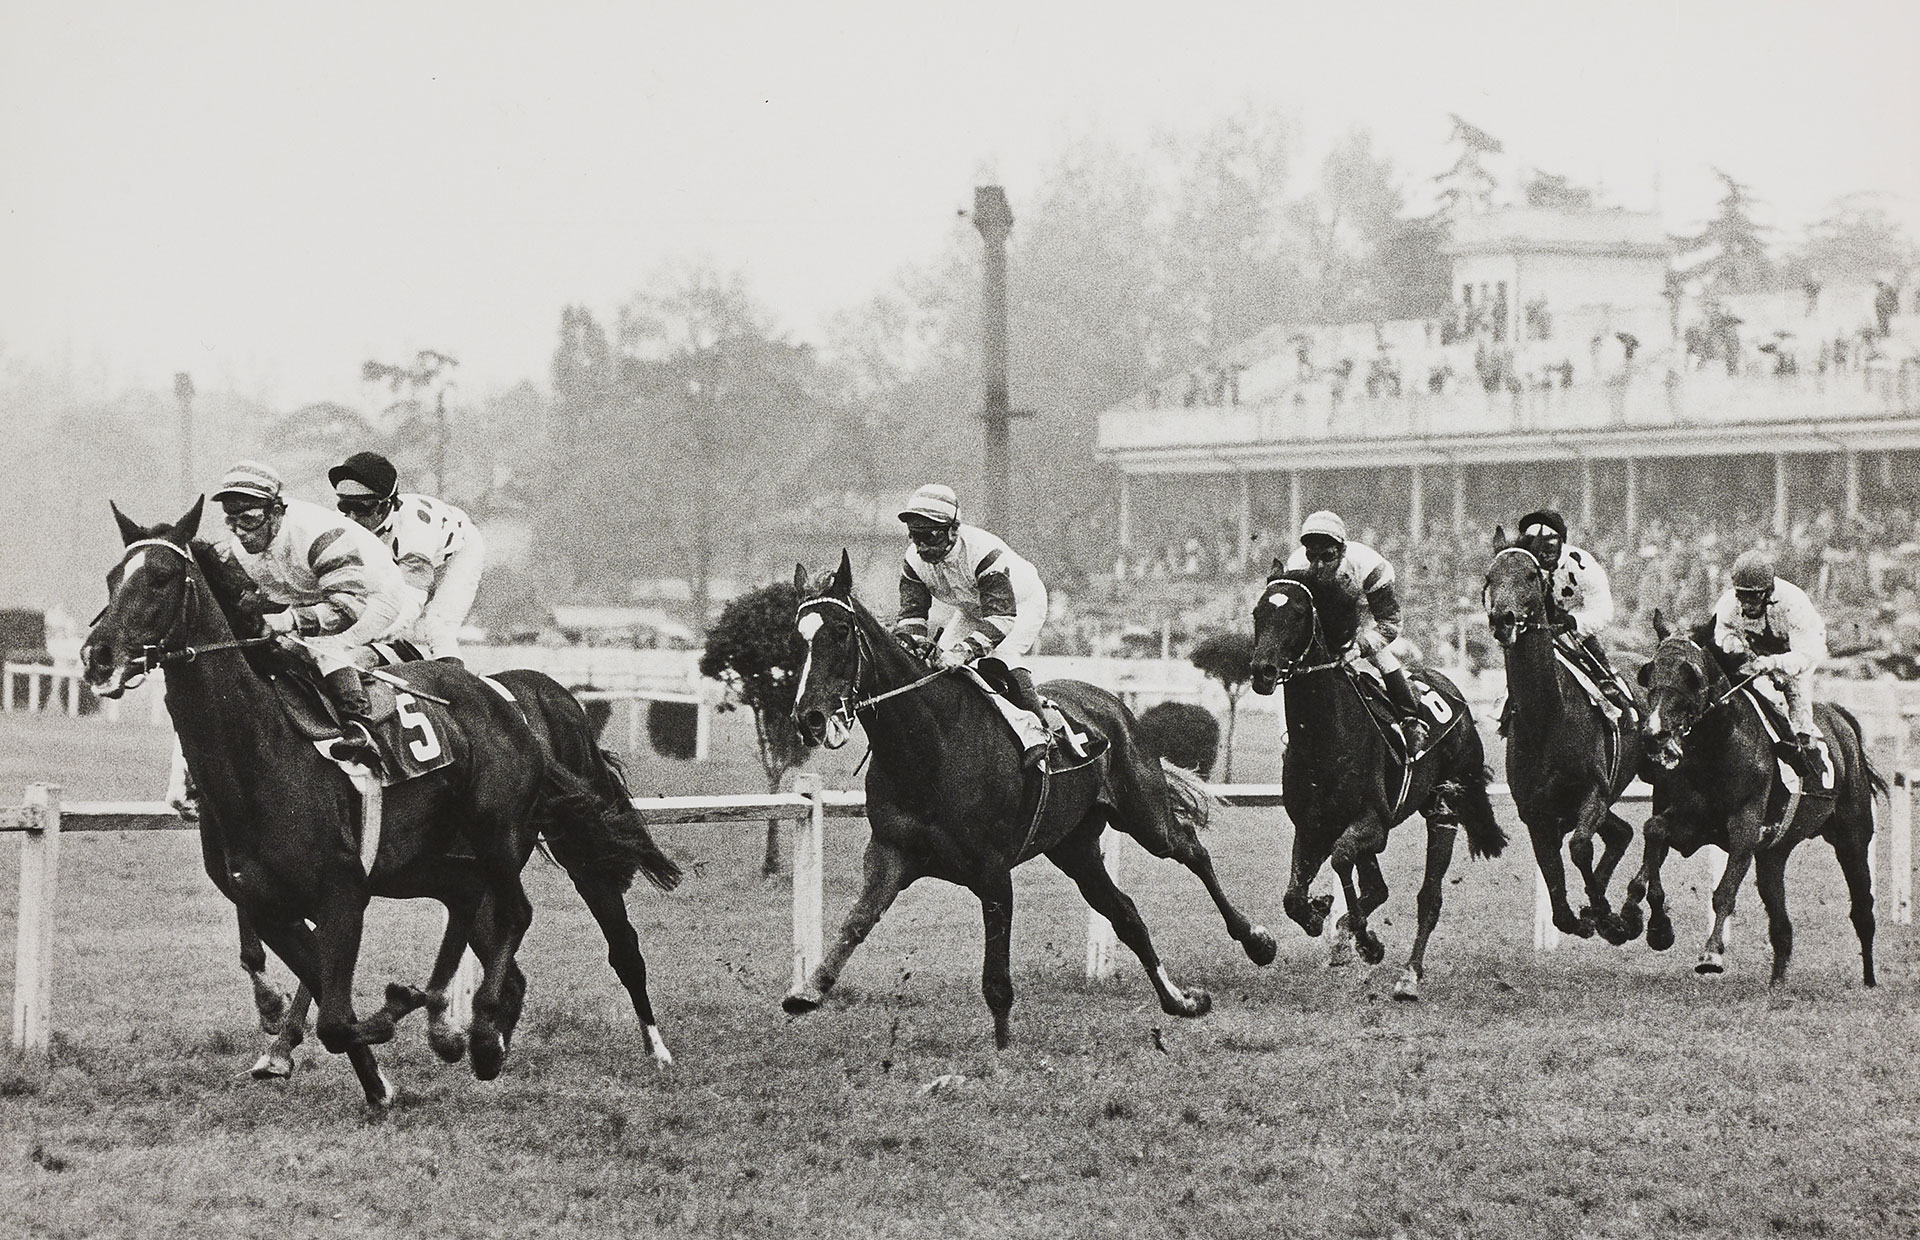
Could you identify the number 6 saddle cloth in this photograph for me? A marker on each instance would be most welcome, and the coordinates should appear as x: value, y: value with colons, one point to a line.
x: 1439, y: 701
x: 410, y: 730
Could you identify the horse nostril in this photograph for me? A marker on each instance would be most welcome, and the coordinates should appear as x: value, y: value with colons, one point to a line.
x: 813, y: 722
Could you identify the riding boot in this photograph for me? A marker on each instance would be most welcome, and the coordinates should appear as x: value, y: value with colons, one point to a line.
x: 1611, y: 686
x: 1413, y: 723
x: 1812, y: 768
x: 350, y: 696
x: 1021, y: 693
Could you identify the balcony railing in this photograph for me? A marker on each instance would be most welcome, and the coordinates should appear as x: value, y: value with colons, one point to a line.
x: 1643, y: 400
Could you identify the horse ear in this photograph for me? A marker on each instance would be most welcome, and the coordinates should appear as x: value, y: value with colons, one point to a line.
x: 131, y: 531
x: 1660, y: 629
x: 799, y: 578
x: 1278, y: 570
x: 843, y: 576
x: 1645, y: 675
x: 1500, y: 540
x: 186, y: 527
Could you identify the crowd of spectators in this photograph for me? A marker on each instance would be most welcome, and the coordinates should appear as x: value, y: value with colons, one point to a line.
x: 1864, y: 573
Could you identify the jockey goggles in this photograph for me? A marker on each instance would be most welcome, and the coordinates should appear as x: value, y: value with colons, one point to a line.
x: 359, y: 505
x: 247, y: 519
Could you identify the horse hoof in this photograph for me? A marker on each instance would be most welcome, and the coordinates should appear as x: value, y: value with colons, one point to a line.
x: 801, y: 1001
x: 657, y: 1046
x: 272, y: 1066
x: 1660, y: 934
x: 1616, y: 931
x: 1372, y: 950
x: 1260, y: 946
x: 1711, y: 964
x: 1407, y: 988
x: 1198, y: 1003
x: 1339, y: 953
x: 488, y: 1054
x: 1630, y: 923
x: 449, y: 1046
x: 388, y: 1095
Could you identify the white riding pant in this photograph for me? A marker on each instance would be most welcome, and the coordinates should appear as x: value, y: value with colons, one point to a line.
x: 455, y: 584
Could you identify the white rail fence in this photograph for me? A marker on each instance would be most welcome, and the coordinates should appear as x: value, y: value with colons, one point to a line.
x: 43, y: 818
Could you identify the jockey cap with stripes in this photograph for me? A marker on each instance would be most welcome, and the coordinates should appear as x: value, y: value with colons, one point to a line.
x: 934, y: 503
x: 249, y: 481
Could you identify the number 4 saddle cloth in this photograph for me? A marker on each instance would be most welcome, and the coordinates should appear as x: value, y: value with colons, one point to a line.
x: 410, y: 730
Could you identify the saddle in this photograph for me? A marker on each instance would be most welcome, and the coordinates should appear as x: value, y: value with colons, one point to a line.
x: 1791, y: 781
x: 1441, y: 714
x: 406, y: 729
x: 1072, y: 742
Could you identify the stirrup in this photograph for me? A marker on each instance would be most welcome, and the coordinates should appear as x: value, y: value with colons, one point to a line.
x: 356, y: 744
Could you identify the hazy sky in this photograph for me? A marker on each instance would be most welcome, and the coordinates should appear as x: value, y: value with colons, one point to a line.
x: 266, y: 195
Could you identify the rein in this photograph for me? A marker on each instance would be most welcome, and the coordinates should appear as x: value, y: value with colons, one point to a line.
x: 862, y: 656
x: 1525, y: 623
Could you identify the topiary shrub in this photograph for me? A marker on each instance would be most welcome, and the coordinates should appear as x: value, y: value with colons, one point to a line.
x: 1184, y: 733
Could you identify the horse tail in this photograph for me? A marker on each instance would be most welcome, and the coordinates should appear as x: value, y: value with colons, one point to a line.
x: 1187, y: 796
x: 1876, y: 785
x: 592, y: 834
x: 1484, y: 836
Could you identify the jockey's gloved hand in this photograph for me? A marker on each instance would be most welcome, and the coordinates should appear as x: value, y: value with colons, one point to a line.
x: 278, y: 621
x: 962, y: 653
x: 1370, y: 641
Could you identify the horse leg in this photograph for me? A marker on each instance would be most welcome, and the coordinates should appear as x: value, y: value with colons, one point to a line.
x: 1180, y: 843
x: 301, y: 950
x: 1617, y: 834
x: 1770, y: 876
x: 1595, y: 817
x: 1546, y: 838
x: 1440, y: 837
x: 1740, y: 839
x: 337, y: 935
x: 447, y: 1036
x: 499, y: 925
x: 1310, y: 852
x: 886, y: 875
x: 996, y: 976
x: 1361, y: 840
x: 268, y: 1001
x: 609, y: 908
x: 1078, y: 857
x: 1853, y: 853
x: 1654, y: 846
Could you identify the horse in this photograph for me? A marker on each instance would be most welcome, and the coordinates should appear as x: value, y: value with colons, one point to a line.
x: 1337, y: 778
x: 1716, y: 776
x: 280, y: 827
x: 1564, y: 775
x: 947, y: 796
x: 569, y: 733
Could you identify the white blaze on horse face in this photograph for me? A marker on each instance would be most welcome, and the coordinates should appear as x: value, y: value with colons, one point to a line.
x: 1277, y: 598
x: 1653, y: 722
x: 808, y: 625
x: 135, y: 563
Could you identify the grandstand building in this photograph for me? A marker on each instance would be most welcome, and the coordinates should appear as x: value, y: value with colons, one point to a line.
x: 1573, y: 369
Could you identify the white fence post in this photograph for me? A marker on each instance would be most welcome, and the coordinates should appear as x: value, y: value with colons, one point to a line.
x: 1546, y: 935
x: 702, y: 727
x: 1900, y: 849
x: 809, y: 878
x: 33, y: 950
x: 1101, y: 940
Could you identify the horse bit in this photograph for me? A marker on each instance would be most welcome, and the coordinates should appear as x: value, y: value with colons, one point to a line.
x: 153, y: 655
x: 1290, y: 670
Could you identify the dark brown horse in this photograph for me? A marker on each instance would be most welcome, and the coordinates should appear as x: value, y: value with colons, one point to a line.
x: 280, y: 825
x: 1564, y: 770
x: 947, y: 797
x: 1717, y: 772
x: 1342, y: 787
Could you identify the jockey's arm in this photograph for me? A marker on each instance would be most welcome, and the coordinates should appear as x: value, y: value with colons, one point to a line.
x: 359, y: 601
x: 418, y: 571
x: 916, y: 603
x: 1595, y: 607
x: 1727, y: 633
x: 1382, y: 608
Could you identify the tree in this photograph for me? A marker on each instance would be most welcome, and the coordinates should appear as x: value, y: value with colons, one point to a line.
x: 413, y: 419
x: 754, y: 650
x: 1228, y: 658
x: 1467, y: 187
x: 1856, y: 241
x: 1734, y: 245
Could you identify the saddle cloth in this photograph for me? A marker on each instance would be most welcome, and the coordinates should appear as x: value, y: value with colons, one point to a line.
x: 1441, y: 713
x: 1074, y: 745
x: 407, y: 729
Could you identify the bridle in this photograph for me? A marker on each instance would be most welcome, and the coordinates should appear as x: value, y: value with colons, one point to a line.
x: 846, y: 706
x: 1291, y: 668
x: 1679, y: 735
x: 1532, y: 620
x: 158, y: 655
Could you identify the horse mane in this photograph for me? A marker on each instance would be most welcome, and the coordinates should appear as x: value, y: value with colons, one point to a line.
x: 231, y: 588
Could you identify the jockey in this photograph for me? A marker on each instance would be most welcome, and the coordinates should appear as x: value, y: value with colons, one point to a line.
x: 439, y: 550
x: 996, y: 598
x: 1579, y: 600
x: 1364, y: 576
x: 340, y: 588
x: 1773, y: 623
